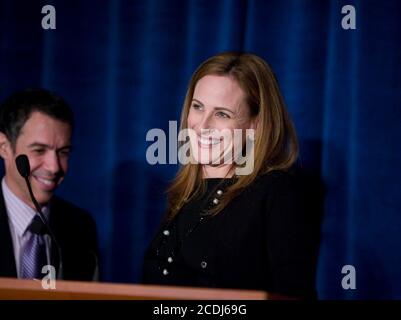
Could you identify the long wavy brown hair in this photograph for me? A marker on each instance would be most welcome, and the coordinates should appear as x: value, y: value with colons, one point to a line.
x: 275, y: 142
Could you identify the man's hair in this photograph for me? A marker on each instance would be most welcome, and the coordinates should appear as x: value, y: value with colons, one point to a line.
x: 17, y: 108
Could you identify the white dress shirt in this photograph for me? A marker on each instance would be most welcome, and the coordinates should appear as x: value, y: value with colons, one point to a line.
x: 20, y: 216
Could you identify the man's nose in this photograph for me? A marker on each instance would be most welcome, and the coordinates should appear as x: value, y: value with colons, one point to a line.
x: 52, y: 162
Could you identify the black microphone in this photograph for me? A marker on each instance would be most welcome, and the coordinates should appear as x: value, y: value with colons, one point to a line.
x: 23, y: 166
x: 24, y: 170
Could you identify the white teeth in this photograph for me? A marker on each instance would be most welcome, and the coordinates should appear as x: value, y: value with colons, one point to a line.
x: 45, y: 181
x: 208, y: 141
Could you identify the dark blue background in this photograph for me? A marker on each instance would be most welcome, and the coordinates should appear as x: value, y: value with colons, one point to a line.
x: 124, y: 67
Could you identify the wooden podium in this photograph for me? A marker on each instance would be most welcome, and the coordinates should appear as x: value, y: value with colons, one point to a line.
x: 17, y: 289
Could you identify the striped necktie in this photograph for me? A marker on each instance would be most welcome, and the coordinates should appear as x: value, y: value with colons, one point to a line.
x: 34, y: 251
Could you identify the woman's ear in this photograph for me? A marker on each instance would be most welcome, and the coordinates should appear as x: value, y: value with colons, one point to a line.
x: 5, y: 146
x: 253, y: 126
x: 254, y: 123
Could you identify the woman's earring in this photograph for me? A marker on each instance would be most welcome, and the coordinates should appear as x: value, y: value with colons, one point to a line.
x: 250, y: 134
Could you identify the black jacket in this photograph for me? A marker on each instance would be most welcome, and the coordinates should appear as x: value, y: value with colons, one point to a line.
x: 75, y: 232
x: 261, y: 240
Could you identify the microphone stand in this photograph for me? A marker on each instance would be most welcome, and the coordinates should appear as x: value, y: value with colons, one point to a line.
x: 44, y: 221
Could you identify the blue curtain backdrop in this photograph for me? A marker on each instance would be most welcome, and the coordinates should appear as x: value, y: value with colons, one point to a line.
x: 124, y: 68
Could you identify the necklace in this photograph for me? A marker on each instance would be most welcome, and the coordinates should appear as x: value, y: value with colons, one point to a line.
x: 170, y: 234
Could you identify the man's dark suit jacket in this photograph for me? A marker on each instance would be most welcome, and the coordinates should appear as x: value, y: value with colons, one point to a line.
x: 75, y: 232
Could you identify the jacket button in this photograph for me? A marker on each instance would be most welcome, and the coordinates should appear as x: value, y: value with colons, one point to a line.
x: 165, y: 272
x: 166, y: 232
x: 203, y: 264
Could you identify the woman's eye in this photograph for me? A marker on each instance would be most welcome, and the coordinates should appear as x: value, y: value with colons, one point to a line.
x: 197, y: 106
x: 222, y: 115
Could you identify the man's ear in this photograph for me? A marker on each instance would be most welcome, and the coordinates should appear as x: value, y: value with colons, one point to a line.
x: 5, y: 146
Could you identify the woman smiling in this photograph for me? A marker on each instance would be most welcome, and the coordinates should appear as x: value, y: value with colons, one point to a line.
x: 225, y: 229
